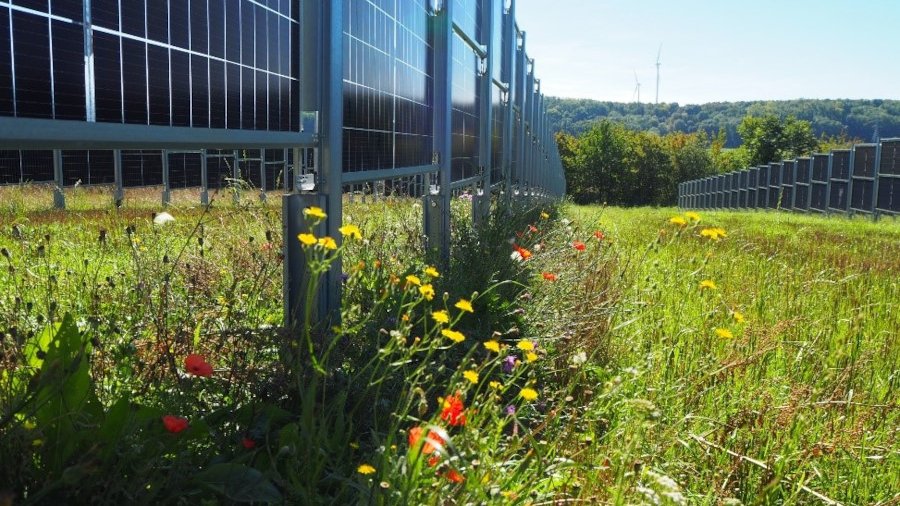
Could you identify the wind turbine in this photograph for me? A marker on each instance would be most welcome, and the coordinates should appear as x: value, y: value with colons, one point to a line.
x: 637, y: 88
x: 658, y: 53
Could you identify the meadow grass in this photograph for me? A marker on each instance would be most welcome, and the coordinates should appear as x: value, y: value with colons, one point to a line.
x: 637, y: 398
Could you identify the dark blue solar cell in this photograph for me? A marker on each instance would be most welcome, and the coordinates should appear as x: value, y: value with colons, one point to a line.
x: 248, y: 99
x: 181, y: 88
x: 105, y: 13
x: 233, y: 86
x: 107, y: 77
x: 68, y: 71
x: 261, y: 36
x: 38, y: 5
x: 133, y: 22
x: 247, y: 38
x: 233, y: 30
x: 158, y: 84
x: 158, y: 21
x: 199, y: 91
x: 261, y: 101
x: 199, y: 29
x: 274, y: 103
x: 179, y: 23
x: 134, y: 81
x: 32, y: 65
x: 216, y: 94
x: 6, y: 78
x: 71, y: 10
x: 217, y: 29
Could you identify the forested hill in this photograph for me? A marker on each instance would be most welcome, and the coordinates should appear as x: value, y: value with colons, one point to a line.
x: 855, y: 119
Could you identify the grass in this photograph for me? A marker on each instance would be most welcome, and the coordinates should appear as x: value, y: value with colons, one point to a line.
x: 637, y: 397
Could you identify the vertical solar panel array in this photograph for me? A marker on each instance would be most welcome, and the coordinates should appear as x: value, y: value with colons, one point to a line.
x: 863, y: 179
x: 388, y: 85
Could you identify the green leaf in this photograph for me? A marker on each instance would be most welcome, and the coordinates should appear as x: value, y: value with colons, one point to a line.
x: 239, y: 483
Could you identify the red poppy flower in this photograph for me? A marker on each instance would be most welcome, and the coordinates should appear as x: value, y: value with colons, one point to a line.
x: 599, y: 235
x: 549, y: 276
x: 454, y: 476
x: 175, y: 424
x: 248, y: 443
x: 433, y: 441
x: 578, y: 245
x: 197, y: 365
x: 452, y: 411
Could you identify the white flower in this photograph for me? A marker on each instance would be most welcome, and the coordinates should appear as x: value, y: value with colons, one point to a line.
x: 537, y: 247
x: 163, y: 218
x: 566, y: 222
x: 516, y: 256
x: 579, y: 358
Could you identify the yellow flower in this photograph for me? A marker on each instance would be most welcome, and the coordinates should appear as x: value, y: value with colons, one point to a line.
x: 29, y: 425
x: 431, y: 271
x: 441, y: 316
x: 713, y: 234
x: 351, y: 230
x: 471, y: 376
x: 427, y: 291
x: 365, y: 469
x: 315, y: 212
x: 544, y: 215
x: 678, y: 220
x: 738, y: 317
x: 692, y: 216
x: 724, y: 333
x: 37, y: 442
x: 493, y: 346
x: 525, y: 345
x: 496, y: 385
x: 456, y: 337
x: 413, y: 280
x: 708, y: 284
x: 464, y: 305
x: 529, y: 394
x: 327, y: 243
x: 531, y: 356
x: 307, y: 239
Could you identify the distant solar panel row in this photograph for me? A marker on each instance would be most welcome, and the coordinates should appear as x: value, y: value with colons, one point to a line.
x: 208, y: 64
x: 865, y: 179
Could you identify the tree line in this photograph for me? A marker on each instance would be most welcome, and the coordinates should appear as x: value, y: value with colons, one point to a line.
x: 855, y: 119
x: 612, y: 163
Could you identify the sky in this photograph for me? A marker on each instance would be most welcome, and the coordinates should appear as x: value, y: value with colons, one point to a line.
x: 714, y: 50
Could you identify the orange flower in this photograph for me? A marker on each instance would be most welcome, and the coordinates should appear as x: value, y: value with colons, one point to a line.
x: 433, y: 441
x: 524, y: 253
x: 197, y: 365
x: 599, y: 235
x: 454, y: 476
x: 452, y: 411
x: 549, y: 276
x: 532, y: 229
x: 578, y: 245
x: 175, y: 424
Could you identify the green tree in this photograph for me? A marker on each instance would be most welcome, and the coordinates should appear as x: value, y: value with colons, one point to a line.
x: 769, y: 139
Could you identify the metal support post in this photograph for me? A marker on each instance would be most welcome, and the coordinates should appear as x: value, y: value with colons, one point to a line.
x: 119, y: 192
x: 875, y: 177
x: 509, y: 73
x: 437, y: 207
x: 236, y: 178
x: 481, y: 200
x: 204, y: 178
x: 286, y: 172
x: 59, y: 197
x: 262, y: 175
x: 849, y: 207
x: 166, y: 192
x: 296, y: 280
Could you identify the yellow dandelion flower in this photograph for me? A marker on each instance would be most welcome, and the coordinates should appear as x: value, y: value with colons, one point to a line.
x: 365, y: 469
x: 427, y: 291
x: 492, y: 346
x: 327, y: 243
x: 456, y: 337
x: 307, y: 239
x: 496, y: 385
x: 351, y: 230
x: 708, y: 284
x: 464, y: 305
x: 531, y: 356
x: 431, y: 271
x: 413, y: 280
x: 678, y: 220
x: 713, y: 234
x: 441, y: 316
x: 471, y: 377
x: 544, y: 215
x: 724, y: 333
x: 692, y: 216
x: 529, y: 394
x: 738, y: 317
x: 525, y: 345
x: 315, y: 212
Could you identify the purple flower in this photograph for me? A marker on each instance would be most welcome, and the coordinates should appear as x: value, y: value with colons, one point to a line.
x: 509, y: 363
x: 510, y: 410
